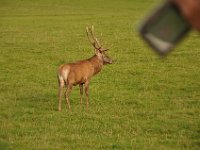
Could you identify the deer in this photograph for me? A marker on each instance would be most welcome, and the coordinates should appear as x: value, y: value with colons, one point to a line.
x: 81, y: 72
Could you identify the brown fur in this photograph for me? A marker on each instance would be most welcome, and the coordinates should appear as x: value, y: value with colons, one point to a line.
x: 80, y: 71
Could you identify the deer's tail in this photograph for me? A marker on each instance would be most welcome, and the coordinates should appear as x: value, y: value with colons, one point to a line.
x: 62, y: 76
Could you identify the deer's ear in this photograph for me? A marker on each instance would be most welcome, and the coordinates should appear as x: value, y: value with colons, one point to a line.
x: 96, y: 52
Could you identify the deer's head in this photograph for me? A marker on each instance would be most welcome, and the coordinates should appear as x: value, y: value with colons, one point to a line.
x: 99, y: 50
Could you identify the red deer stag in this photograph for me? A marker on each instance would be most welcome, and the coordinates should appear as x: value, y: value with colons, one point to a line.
x: 80, y: 72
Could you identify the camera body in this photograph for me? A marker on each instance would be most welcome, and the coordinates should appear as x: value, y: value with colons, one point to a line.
x: 164, y: 28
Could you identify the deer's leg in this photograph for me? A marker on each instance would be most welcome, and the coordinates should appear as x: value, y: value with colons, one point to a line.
x: 60, y: 91
x: 68, y: 91
x: 87, y: 93
x: 81, y: 92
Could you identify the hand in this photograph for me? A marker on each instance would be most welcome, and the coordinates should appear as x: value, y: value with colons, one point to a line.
x: 191, y: 10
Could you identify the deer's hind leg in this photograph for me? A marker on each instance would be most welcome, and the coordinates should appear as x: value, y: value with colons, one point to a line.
x: 68, y: 91
x: 60, y: 91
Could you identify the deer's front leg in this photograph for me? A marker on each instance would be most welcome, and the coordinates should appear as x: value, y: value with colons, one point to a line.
x: 81, y: 92
x: 87, y: 93
x: 68, y: 91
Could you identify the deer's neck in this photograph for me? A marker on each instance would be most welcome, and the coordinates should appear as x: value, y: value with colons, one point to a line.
x: 97, y: 63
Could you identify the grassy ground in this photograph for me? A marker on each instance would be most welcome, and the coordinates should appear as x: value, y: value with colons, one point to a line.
x: 140, y: 102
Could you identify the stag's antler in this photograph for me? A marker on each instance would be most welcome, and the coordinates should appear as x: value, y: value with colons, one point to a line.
x: 93, y: 40
x: 94, y: 37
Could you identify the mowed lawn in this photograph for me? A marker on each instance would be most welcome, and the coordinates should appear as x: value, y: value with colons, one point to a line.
x: 139, y: 102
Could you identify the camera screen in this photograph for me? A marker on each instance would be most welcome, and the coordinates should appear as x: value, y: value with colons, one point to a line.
x: 164, y: 28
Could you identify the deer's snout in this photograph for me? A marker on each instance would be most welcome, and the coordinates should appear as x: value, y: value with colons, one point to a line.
x: 110, y: 61
x: 107, y: 60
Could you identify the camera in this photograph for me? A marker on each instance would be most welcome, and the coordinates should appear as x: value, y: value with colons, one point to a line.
x: 164, y: 28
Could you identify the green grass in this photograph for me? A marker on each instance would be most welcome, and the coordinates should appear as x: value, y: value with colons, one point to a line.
x: 140, y: 102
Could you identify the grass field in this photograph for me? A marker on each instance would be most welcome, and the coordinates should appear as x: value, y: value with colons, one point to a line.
x: 140, y: 102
